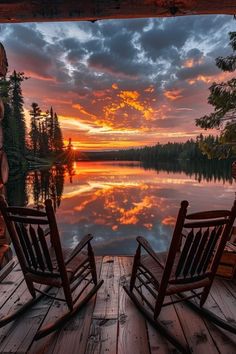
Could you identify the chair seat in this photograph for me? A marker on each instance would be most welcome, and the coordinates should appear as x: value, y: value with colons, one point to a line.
x: 74, y: 264
x: 156, y: 271
x: 54, y: 278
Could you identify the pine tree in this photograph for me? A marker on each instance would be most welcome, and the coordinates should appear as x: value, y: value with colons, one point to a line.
x: 223, y: 98
x: 7, y: 119
x: 57, y: 138
x: 50, y: 129
x: 35, y: 114
x: 18, y: 118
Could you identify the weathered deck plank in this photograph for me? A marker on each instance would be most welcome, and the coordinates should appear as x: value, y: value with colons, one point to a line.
x: 74, y: 336
x: 132, y: 336
x: 102, y: 336
x: 225, y: 300
x: 196, y: 332
x: 223, y: 340
x: 18, y: 335
x: 103, y: 331
x: 108, y: 296
x: 69, y: 336
x: 10, y: 283
x: 169, y: 319
x: 111, y: 323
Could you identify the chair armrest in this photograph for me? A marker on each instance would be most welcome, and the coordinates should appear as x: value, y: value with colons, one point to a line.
x: 85, y: 240
x: 146, y: 245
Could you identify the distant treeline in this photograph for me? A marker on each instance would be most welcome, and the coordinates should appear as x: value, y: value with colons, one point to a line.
x: 190, y: 150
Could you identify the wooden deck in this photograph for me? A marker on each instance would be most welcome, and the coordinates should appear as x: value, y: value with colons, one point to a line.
x: 110, y: 323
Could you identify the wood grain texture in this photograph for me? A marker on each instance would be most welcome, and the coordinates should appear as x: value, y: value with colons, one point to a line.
x: 108, y: 296
x: 223, y: 297
x: 133, y: 337
x: 73, y: 336
x: 223, y: 340
x: 102, y: 337
x: 33, y: 11
x: 127, y: 333
x: 17, y: 336
x: 196, y: 332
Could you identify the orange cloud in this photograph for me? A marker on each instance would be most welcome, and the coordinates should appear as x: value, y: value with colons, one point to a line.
x: 130, y: 99
x: 33, y: 75
x: 82, y: 109
x: 173, y: 94
x: 169, y: 220
x: 114, y: 86
x: 99, y: 93
x: 190, y: 63
x: 149, y: 89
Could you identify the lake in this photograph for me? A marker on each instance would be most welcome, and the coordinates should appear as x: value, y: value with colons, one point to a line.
x: 117, y: 201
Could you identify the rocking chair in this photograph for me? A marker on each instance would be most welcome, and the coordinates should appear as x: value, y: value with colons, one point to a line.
x: 45, y: 263
x: 185, y: 272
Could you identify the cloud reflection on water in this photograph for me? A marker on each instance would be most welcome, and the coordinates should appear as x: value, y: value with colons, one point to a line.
x: 118, y: 201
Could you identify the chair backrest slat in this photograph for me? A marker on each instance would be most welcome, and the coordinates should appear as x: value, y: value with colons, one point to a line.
x: 23, y: 245
x: 212, y: 247
x: 184, y: 253
x: 207, y: 248
x: 205, y: 223
x: 213, y: 214
x: 45, y: 248
x: 37, y: 249
x: 199, y: 251
x: 25, y: 235
x: 26, y: 211
x: 26, y: 220
x: 192, y: 253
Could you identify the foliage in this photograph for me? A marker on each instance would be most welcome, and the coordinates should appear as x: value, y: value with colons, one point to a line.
x: 45, y: 134
x: 14, y: 129
x: 57, y: 135
x: 18, y: 117
x: 223, y: 98
x: 35, y: 114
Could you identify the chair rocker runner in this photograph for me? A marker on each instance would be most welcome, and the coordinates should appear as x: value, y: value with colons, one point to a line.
x: 45, y: 263
x: 186, y: 271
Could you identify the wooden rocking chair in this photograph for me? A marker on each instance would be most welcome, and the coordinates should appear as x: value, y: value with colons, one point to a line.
x: 186, y: 273
x: 45, y: 263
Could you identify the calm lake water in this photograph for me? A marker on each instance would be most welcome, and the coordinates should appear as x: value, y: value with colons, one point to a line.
x: 117, y: 201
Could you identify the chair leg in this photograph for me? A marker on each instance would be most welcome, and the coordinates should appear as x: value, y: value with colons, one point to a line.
x: 205, y: 294
x: 30, y: 287
x: 135, y: 267
x: 68, y: 297
x: 92, y: 263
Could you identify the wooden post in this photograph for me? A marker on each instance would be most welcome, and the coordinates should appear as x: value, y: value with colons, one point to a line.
x: 233, y: 172
x: 4, y: 169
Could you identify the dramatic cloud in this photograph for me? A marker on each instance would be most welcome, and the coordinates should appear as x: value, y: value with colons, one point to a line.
x: 121, y: 83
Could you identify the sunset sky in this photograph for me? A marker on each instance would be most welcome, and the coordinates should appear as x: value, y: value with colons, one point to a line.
x: 121, y: 83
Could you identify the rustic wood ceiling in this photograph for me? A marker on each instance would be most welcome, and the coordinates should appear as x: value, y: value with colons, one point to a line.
x: 75, y: 10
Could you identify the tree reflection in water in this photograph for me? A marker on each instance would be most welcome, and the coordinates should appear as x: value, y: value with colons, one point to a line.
x: 36, y: 186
